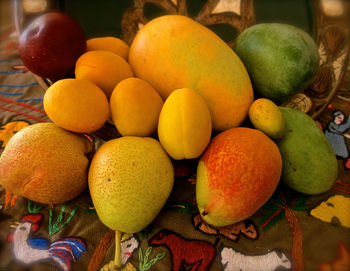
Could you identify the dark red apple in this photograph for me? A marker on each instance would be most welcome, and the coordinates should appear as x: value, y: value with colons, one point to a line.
x: 50, y: 45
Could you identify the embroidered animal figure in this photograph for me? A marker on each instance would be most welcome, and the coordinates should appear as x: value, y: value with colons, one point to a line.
x: 197, y: 254
x: 334, y: 210
x: 233, y: 260
x: 63, y: 252
x: 231, y: 232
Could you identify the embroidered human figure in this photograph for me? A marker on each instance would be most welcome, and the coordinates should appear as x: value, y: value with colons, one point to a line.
x: 29, y: 249
x: 129, y: 244
x: 335, y: 133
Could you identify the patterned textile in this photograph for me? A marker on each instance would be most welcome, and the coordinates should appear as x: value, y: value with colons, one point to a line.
x: 289, y: 230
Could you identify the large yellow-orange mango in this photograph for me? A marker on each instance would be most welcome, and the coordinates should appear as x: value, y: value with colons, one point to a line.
x: 174, y: 51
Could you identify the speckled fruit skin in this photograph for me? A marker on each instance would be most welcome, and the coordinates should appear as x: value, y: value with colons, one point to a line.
x: 130, y: 179
x: 50, y: 45
x: 173, y: 52
x: 236, y: 175
x: 281, y: 59
x: 45, y: 163
x: 309, y: 163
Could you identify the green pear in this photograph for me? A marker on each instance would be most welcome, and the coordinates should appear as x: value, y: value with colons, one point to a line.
x: 45, y: 163
x: 130, y: 179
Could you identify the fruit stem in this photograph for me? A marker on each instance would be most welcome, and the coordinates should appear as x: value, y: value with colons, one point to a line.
x: 117, y: 259
x: 204, y: 213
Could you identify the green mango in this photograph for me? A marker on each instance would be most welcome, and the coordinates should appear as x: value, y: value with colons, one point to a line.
x: 309, y: 163
x: 281, y: 59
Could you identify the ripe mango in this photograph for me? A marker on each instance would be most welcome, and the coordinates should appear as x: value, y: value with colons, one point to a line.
x: 236, y: 175
x: 184, y: 127
x: 173, y: 52
x: 309, y: 163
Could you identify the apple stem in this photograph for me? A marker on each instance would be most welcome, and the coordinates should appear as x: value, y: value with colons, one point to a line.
x: 117, y: 259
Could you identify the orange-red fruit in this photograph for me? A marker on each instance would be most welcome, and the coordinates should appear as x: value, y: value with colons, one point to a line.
x: 236, y: 175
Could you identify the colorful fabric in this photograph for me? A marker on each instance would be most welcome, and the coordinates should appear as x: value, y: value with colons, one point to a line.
x: 288, y: 231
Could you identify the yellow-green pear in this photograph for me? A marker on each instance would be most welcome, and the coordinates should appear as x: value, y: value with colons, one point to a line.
x: 130, y: 179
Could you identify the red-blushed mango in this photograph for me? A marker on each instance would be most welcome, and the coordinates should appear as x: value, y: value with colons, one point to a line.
x: 236, y: 175
x: 173, y: 52
x: 45, y: 163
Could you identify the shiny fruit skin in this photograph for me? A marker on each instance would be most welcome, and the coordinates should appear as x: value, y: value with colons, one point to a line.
x: 76, y: 105
x: 50, y: 45
x: 135, y: 107
x: 267, y: 117
x: 236, y: 175
x: 174, y: 51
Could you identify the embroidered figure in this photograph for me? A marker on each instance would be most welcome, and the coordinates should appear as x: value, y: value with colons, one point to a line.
x: 10, y: 199
x: 335, y: 133
x: 34, y: 207
x: 197, y: 254
x: 341, y: 263
x: 28, y: 249
x: 232, y: 232
x: 334, y: 210
x: 233, y: 260
x: 145, y: 263
x: 57, y: 226
x: 128, y: 245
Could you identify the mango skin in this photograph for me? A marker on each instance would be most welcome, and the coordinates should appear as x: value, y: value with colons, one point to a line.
x: 281, y: 59
x: 184, y: 127
x: 173, y: 52
x: 309, y: 163
x: 236, y: 175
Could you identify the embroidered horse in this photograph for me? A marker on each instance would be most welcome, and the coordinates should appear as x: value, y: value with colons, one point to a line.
x: 197, y: 254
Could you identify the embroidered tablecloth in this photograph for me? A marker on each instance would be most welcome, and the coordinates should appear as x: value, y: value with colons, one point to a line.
x: 290, y: 229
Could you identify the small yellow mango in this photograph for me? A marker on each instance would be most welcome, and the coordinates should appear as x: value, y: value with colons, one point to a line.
x: 184, y: 127
x: 267, y: 117
x: 112, y: 44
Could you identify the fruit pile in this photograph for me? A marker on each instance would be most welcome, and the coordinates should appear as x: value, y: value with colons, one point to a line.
x: 178, y: 92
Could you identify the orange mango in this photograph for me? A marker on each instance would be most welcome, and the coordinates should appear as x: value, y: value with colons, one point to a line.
x: 174, y: 51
